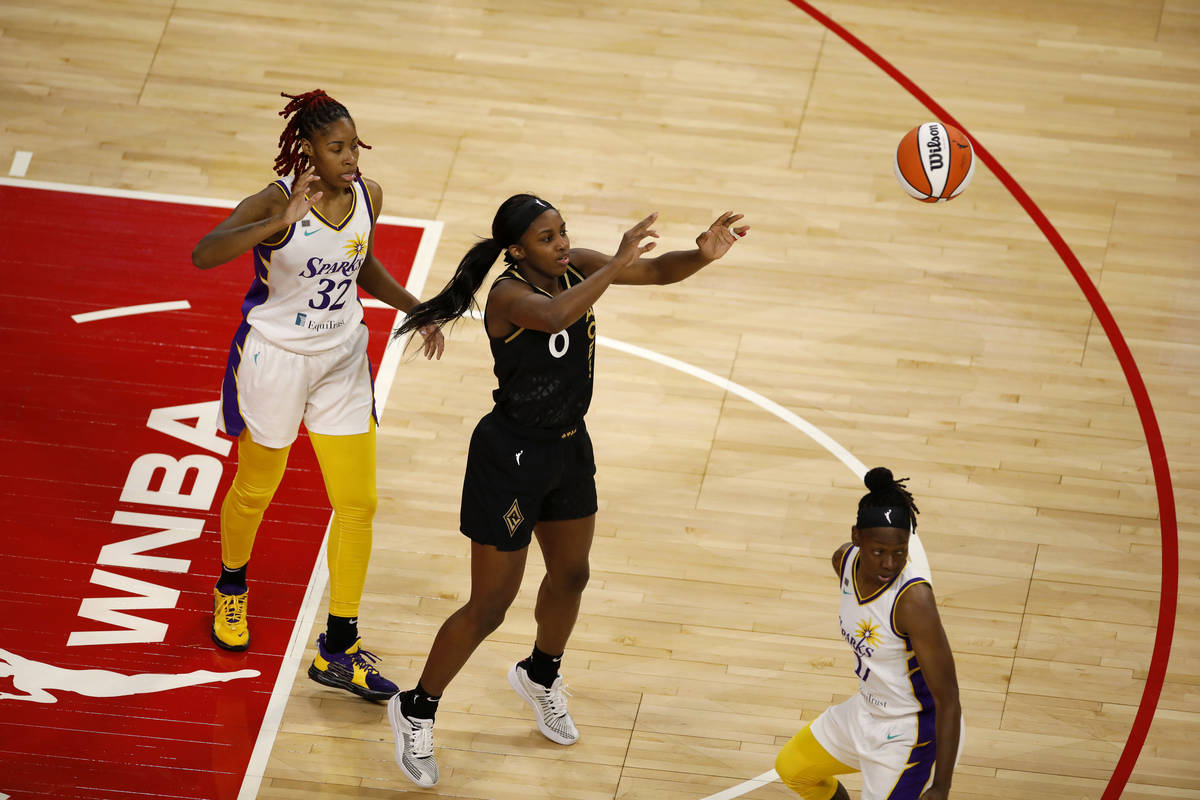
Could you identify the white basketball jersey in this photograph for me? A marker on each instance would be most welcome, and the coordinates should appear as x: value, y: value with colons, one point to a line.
x: 889, y: 677
x: 305, y: 292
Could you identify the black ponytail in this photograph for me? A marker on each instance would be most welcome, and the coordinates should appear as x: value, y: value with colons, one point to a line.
x: 459, y: 295
x: 511, y: 221
x: 887, y: 495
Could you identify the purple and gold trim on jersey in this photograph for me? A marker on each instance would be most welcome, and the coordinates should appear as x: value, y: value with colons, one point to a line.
x: 862, y: 601
x: 896, y: 602
x: 337, y: 226
x: 371, y: 377
x: 921, y: 760
x: 842, y: 565
x: 259, y: 287
x: 920, y: 689
x: 258, y: 293
x: 923, y: 755
x: 285, y: 235
x: 367, y: 197
x: 231, y: 412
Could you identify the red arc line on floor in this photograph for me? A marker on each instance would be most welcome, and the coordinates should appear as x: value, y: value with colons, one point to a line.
x: 1168, y: 595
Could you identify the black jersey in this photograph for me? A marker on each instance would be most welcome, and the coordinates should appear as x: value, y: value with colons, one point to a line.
x: 546, y: 379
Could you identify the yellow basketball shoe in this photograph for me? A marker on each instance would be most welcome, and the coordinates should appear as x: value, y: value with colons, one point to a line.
x: 229, y: 629
x: 354, y: 670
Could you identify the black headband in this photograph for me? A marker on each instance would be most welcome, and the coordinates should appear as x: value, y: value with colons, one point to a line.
x: 521, y: 219
x: 886, y: 517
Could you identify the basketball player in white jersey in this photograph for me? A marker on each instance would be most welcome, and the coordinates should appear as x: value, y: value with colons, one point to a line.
x: 902, y: 729
x: 300, y: 353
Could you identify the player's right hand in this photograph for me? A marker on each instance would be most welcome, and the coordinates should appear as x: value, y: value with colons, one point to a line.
x: 631, y: 247
x: 300, y: 203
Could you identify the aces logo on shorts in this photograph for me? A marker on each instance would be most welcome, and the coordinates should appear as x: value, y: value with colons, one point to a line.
x: 513, y: 518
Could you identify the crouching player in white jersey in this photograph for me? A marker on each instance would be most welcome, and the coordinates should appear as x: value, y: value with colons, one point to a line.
x: 902, y: 730
x: 300, y: 353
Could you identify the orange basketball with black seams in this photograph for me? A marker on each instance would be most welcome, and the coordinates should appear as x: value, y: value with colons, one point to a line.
x: 934, y: 162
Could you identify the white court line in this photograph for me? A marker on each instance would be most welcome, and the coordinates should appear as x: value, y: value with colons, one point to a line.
x: 20, y: 165
x: 816, y: 434
x: 384, y: 378
x: 316, y: 586
x: 183, y: 199
x: 422, y: 262
x: 916, y: 549
x: 745, y: 786
x: 129, y: 311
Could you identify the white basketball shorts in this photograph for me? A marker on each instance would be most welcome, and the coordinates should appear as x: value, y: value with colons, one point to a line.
x: 894, y: 754
x: 331, y: 392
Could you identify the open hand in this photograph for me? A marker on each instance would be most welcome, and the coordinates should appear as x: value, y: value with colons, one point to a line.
x: 434, y: 344
x: 631, y: 248
x: 720, y: 236
x: 300, y: 203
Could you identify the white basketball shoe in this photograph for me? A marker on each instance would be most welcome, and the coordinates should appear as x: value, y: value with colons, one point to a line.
x: 414, y: 744
x: 550, y: 705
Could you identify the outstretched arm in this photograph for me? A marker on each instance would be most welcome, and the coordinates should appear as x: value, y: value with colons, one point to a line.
x: 917, y: 617
x: 676, y: 265
x: 512, y: 303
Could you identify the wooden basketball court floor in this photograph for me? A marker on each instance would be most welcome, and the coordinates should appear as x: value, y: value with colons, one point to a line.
x: 950, y: 343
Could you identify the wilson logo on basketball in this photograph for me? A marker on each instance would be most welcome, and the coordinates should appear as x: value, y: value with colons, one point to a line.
x: 934, y: 162
x: 933, y: 148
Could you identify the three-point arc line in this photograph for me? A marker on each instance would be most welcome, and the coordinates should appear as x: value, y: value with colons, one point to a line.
x: 1169, y: 532
x: 1168, y: 595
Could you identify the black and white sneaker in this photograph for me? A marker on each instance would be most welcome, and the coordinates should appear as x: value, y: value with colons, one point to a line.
x: 550, y: 705
x: 414, y: 745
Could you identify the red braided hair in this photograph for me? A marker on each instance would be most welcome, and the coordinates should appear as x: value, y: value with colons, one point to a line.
x: 310, y: 112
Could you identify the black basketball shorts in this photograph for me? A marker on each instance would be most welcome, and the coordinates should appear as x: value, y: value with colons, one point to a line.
x: 517, y: 477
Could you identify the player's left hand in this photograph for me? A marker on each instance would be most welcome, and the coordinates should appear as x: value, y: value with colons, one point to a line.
x: 434, y: 344
x: 720, y: 236
x: 935, y: 793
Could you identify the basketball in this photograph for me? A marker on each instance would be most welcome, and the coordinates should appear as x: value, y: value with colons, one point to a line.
x: 934, y: 162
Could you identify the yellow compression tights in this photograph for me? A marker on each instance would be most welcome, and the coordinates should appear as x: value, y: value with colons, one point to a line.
x: 259, y: 471
x: 348, y: 466
x: 807, y: 769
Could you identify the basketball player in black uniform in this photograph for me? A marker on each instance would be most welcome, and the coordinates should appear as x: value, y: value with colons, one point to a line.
x: 530, y: 468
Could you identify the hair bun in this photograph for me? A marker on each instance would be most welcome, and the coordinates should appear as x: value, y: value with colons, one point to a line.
x: 879, y: 479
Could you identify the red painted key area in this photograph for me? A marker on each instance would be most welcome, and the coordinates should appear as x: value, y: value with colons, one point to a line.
x: 75, y: 399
